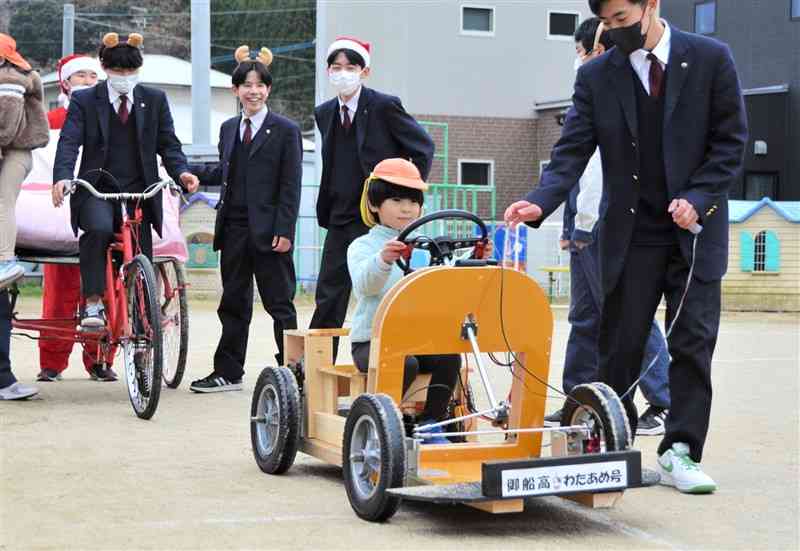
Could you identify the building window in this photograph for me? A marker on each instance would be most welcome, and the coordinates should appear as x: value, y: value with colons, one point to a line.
x: 562, y: 25
x: 758, y: 185
x: 475, y: 172
x: 795, y: 9
x: 477, y: 20
x: 705, y: 17
x: 762, y: 254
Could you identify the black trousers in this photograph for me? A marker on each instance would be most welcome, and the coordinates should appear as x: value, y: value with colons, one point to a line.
x: 443, y: 368
x: 275, y: 277
x: 333, y: 284
x: 6, y: 376
x: 99, y: 220
x: 650, y: 273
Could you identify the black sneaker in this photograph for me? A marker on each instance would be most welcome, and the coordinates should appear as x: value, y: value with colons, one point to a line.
x: 553, y: 420
x: 48, y: 376
x: 651, y: 422
x: 216, y: 383
x: 99, y: 372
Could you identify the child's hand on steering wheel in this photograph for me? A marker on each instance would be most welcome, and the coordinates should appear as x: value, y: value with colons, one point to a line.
x: 392, y: 250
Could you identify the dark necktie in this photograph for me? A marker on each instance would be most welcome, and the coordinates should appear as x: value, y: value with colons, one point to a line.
x: 346, y: 118
x: 656, y: 76
x: 248, y: 132
x: 123, y: 109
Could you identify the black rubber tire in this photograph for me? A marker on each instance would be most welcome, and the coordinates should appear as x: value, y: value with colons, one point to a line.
x: 593, y: 398
x: 612, y: 396
x: 173, y: 374
x: 278, y: 385
x: 145, y: 321
x: 381, y: 411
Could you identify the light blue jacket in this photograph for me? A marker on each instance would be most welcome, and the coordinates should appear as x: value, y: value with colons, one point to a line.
x: 371, y: 277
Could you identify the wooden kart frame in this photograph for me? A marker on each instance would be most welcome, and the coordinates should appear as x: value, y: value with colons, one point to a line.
x: 423, y: 314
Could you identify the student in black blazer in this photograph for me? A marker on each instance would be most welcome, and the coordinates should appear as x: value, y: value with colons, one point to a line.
x: 360, y: 127
x: 121, y: 125
x: 260, y: 170
x: 665, y: 107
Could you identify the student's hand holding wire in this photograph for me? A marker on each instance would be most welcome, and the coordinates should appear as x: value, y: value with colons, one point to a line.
x: 683, y: 213
x: 522, y: 211
x: 281, y: 244
x: 392, y: 250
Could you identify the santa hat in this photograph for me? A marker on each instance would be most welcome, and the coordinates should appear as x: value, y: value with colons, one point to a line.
x: 71, y: 64
x: 350, y: 43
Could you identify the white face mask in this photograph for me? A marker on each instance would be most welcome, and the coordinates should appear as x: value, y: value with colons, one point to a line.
x: 345, y: 82
x: 123, y: 84
x: 78, y: 87
x: 577, y: 64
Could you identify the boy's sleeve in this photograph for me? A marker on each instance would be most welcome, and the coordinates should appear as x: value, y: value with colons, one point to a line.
x: 711, y: 181
x: 69, y: 143
x: 169, y: 147
x: 291, y: 174
x: 211, y: 174
x: 414, y: 141
x: 368, y: 271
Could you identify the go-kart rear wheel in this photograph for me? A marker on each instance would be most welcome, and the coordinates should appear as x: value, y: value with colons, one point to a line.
x: 613, y: 397
x: 597, y: 406
x: 373, y: 456
x: 275, y: 420
x: 142, y: 353
x: 174, y: 320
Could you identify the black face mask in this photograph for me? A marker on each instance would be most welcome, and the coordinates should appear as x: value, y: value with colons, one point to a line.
x: 630, y: 38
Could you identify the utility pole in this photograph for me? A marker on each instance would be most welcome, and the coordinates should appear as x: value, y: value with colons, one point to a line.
x: 201, y: 148
x: 68, y: 30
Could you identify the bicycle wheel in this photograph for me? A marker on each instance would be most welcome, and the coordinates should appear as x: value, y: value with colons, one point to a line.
x: 142, y: 351
x: 174, y: 320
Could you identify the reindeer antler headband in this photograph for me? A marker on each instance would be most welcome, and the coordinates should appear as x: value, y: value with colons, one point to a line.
x: 111, y: 40
x: 264, y: 55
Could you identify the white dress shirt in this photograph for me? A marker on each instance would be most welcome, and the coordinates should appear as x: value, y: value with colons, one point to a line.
x: 114, y: 98
x: 255, y: 123
x: 641, y: 64
x: 352, y: 105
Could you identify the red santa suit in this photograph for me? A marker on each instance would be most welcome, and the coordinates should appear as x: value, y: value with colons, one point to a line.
x: 61, y: 295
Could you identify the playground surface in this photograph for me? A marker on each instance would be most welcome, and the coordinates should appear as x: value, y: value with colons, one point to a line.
x: 80, y: 471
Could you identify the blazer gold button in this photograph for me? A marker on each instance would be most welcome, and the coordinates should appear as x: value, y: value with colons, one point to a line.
x: 633, y: 211
x: 635, y: 178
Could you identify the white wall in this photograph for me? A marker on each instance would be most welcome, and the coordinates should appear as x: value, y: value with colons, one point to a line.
x: 420, y: 55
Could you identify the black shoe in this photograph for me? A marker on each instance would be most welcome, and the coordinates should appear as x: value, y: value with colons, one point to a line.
x: 651, y: 422
x: 99, y: 372
x: 216, y: 383
x: 48, y: 376
x: 553, y: 420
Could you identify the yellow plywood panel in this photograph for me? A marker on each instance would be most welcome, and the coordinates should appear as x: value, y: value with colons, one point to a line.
x: 424, y: 314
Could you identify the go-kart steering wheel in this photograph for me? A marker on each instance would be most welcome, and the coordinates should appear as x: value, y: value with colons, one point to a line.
x: 440, y: 248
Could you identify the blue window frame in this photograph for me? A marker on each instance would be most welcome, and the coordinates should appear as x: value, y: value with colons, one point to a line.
x: 795, y: 9
x: 705, y: 17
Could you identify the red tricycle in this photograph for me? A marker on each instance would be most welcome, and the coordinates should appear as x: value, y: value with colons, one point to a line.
x: 146, y: 307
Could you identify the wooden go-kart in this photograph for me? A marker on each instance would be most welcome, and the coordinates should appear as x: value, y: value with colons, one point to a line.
x: 471, y: 307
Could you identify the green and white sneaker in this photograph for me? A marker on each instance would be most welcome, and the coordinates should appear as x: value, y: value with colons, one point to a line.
x: 677, y: 469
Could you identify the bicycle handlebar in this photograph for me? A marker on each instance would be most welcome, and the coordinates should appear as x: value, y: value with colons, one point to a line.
x: 149, y: 192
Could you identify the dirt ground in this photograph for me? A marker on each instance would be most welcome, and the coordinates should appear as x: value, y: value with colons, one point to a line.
x: 79, y: 471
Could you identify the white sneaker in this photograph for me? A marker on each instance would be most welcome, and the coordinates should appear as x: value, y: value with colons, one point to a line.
x: 18, y: 391
x: 677, y: 469
x: 10, y: 272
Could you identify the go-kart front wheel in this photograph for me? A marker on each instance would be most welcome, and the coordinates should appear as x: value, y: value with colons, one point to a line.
x: 275, y: 420
x: 597, y: 406
x: 373, y: 456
